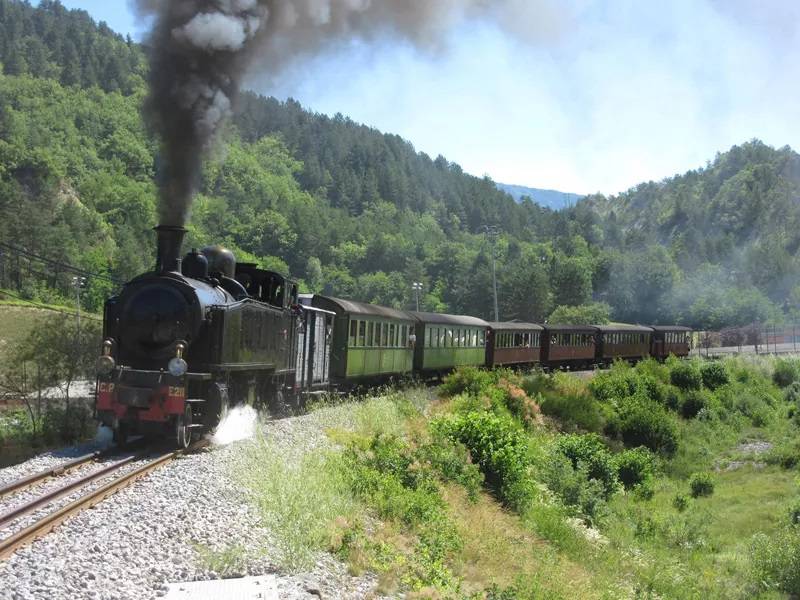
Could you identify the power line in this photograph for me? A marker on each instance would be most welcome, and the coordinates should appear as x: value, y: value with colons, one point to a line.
x: 22, y: 252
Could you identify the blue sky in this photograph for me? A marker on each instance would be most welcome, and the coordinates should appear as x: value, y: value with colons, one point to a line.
x: 580, y: 96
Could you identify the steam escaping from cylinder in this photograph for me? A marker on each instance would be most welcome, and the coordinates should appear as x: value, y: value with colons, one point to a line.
x: 200, y: 50
x: 238, y: 424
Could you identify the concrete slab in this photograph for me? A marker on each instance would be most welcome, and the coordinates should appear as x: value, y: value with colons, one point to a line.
x: 262, y: 587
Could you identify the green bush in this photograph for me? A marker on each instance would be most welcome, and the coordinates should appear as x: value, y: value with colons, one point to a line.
x: 579, y: 412
x: 686, y: 376
x: 470, y: 380
x: 792, y: 393
x: 574, y: 486
x: 451, y: 461
x: 786, y: 454
x: 590, y: 451
x: 786, y: 371
x: 701, y: 484
x: 640, y: 422
x: 694, y: 401
x: 714, y: 374
x: 775, y: 560
x: 497, y: 445
x: 634, y: 466
x: 618, y: 382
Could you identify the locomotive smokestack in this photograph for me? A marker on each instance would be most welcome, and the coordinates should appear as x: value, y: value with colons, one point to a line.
x: 170, y: 239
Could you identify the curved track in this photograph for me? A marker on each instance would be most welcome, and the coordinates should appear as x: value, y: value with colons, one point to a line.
x: 50, y: 521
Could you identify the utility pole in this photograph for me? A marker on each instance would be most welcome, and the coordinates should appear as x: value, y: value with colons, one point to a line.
x: 491, y: 232
x: 417, y: 287
x: 78, y: 283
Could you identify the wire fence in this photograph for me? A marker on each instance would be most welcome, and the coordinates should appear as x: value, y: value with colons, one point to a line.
x: 754, y: 338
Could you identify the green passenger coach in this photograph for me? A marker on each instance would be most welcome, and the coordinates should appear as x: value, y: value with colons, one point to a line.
x: 445, y: 342
x: 369, y: 341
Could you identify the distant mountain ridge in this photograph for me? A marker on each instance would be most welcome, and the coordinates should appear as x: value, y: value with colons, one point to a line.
x: 549, y: 198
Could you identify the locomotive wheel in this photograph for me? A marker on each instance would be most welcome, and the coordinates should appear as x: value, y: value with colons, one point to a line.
x: 183, y: 428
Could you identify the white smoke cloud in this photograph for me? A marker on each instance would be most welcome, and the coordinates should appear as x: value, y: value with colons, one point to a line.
x: 214, y: 31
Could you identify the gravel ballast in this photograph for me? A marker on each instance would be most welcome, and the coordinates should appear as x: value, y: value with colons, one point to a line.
x: 167, y: 527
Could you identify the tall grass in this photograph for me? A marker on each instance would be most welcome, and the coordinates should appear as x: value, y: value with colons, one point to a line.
x: 299, y: 501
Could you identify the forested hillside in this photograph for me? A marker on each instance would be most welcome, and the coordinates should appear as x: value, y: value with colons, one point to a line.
x: 359, y: 213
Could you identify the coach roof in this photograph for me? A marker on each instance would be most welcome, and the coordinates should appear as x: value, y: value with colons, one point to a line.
x: 559, y: 327
x: 625, y: 328
x: 360, y: 308
x: 441, y: 319
x: 515, y: 326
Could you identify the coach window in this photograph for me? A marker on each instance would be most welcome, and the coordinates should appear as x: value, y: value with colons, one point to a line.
x: 353, y: 329
x: 370, y: 331
x: 362, y: 333
x: 391, y: 335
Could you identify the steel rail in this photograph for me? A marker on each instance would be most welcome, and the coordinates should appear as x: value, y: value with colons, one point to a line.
x: 33, y: 479
x: 26, y: 482
x: 49, y: 522
x: 45, y: 499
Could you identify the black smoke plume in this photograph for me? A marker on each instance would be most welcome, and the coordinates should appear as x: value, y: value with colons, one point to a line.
x: 200, y: 50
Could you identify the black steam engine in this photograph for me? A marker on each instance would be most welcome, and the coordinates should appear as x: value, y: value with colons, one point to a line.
x: 180, y: 341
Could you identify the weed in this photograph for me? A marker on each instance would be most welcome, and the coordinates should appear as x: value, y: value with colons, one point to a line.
x: 299, y: 500
x: 680, y: 502
x: 227, y: 562
x: 775, y: 560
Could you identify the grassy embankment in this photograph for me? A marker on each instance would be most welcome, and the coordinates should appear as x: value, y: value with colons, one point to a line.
x: 670, y: 481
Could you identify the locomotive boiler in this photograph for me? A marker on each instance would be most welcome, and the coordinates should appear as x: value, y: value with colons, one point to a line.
x: 183, y: 341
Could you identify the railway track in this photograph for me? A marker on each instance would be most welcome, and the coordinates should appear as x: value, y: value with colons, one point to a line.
x: 50, y: 521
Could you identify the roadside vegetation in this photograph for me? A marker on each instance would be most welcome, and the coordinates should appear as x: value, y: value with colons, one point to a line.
x: 43, y: 354
x: 675, y: 480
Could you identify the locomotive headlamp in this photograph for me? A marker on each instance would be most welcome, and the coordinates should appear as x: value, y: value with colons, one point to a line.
x: 108, y: 345
x: 104, y: 364
x: 177, y: 367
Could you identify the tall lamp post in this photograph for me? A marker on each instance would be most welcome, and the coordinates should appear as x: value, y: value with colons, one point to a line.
x: 78, y: 283
x: 417, y: 287
x: 491, y: 232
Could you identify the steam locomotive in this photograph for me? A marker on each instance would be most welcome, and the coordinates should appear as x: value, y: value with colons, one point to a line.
x: 181, y: 341
x: 184, y: 340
